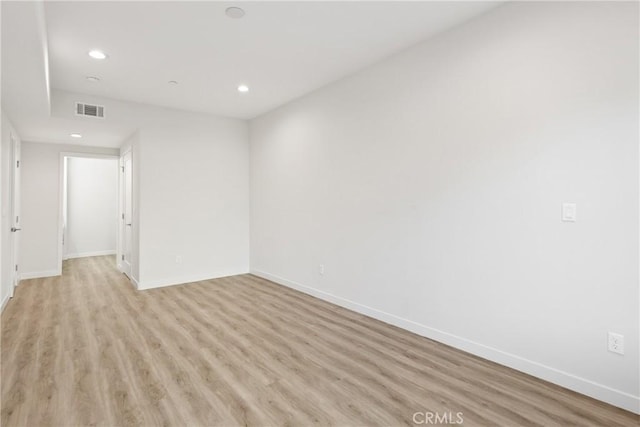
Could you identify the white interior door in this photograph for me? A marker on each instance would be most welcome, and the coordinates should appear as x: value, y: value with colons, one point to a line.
x: 127, y: 213
x: 65, y: 184
x: 15, y: 212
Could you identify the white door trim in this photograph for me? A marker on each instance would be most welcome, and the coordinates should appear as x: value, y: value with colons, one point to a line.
x: 14, y: 209
x: 122, y: 266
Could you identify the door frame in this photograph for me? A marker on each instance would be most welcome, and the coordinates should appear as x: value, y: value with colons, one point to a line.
x: 121, y: 215
x: 61, y: 196
x: 14, y: 211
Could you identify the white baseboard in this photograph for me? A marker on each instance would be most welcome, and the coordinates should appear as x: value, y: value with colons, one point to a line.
x: 88, y: 254
x: 144, y: 285
x: 564, y: 379
x: 40, y: 274
x: 4, y: 303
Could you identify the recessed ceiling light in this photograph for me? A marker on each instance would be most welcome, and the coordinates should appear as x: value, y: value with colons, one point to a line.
x: 243, y: 88
x: 93, y: 79
x: 76, y: 135
x: 234, y: 12
x: 172, y: 82
x: 97, y: 54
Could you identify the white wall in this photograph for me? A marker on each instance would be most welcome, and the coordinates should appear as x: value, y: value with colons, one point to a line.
x: 194, y: 200
x: 92, y: 207
x: 429, y: 186
x: 40, y: 192
x: 191, y: 190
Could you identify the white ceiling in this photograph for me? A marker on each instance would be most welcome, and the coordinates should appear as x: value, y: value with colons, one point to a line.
x: 26, y: 96
x: 282, y: 50
x: 25, y: 81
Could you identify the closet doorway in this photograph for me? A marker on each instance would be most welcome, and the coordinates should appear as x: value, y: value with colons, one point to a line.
x: 89, y: 206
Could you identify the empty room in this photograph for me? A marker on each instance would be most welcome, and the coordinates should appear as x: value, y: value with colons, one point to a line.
x: 336, y: 213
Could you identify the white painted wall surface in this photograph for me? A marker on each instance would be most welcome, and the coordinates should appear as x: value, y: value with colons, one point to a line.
x: 41, y: 205
x: 429, y: 186
x: 92, y: 207
x: 194, y: 200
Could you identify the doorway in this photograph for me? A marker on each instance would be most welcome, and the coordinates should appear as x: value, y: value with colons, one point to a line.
x: 89, y: 206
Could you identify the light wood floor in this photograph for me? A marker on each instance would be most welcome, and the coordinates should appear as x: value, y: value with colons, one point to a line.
x: 87, y: 349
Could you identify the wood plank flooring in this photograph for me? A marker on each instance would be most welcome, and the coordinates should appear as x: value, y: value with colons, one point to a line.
x: 87, y: 349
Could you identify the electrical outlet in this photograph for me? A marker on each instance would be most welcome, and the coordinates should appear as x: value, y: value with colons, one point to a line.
x: 178, y: 259
x: 616, y: 343
x: 321, y: 269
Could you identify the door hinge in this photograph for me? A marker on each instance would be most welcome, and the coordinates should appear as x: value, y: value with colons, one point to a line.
x: 17, y: 220
x: 17, y: 264
x: 121, y: 167
x: 122, y: 255
x: 18, y: 164
x: 122, y: 214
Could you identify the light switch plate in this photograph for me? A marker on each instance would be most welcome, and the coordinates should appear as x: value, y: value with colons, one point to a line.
x: 569, y: 212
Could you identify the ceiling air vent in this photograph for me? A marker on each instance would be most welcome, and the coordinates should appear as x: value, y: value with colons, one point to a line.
x: 89, y: 110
